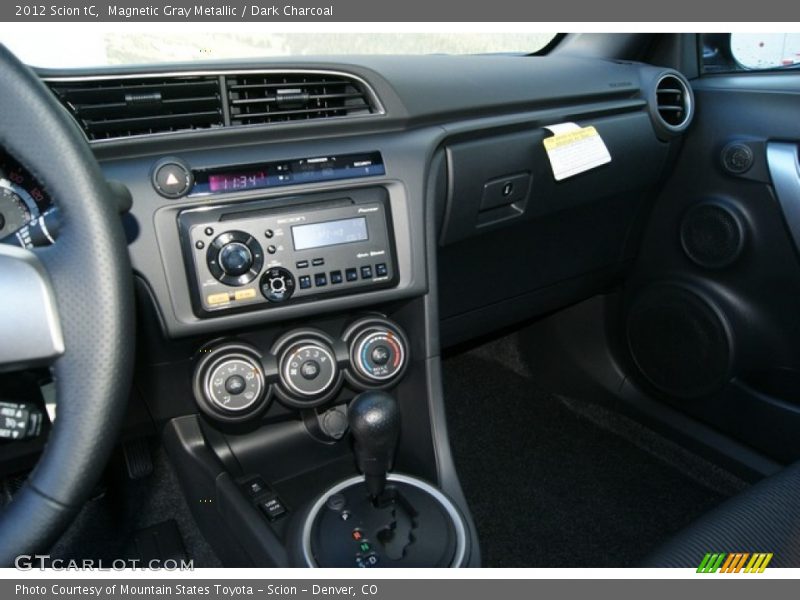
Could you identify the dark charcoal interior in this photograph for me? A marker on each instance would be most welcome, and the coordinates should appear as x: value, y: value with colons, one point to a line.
x: 397, y: 291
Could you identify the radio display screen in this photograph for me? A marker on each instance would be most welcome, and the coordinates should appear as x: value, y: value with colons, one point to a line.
x: 329, y: 233
x: 228, y: 182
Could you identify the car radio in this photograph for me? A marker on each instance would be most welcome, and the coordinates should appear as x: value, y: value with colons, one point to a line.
x: 266, y: 252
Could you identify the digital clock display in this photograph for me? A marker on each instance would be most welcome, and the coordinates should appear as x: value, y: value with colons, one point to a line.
x: 330, y: 233
x: 229, y: 182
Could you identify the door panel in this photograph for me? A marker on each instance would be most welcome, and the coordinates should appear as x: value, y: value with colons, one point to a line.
x: 710, y: 321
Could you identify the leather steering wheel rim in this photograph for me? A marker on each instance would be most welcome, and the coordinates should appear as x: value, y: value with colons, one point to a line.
x: 91, y: 276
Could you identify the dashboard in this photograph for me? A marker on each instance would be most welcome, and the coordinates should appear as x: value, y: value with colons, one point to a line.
x: 299, y: 200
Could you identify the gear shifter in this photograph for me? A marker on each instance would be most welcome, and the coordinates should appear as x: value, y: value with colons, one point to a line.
x: 374, y: 419
x: 381, y: 519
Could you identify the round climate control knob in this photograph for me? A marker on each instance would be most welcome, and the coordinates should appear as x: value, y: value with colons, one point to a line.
x: 234, y: 383
x: 378, y: 353
x: 308, y: 369
x: 229, y: 382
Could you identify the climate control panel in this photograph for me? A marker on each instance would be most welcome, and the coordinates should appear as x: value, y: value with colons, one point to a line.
x: 304, y: 368
x: 261, y: 253
x: 377, y: 352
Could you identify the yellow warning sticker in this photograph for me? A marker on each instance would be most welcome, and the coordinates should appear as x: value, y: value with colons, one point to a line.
x: 573, y: 150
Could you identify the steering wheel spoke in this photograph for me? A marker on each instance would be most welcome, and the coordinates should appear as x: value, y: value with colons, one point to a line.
x: 29, y: 324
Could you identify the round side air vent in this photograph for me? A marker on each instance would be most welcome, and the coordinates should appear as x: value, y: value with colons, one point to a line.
x: 674, y: 102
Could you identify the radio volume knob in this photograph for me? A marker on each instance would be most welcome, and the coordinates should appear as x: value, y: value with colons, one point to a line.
x: 235, y: 258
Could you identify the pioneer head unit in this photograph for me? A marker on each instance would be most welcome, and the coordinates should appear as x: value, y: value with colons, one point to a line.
x: 260, y: 253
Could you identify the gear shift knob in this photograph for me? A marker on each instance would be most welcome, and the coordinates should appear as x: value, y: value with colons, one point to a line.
x: 374, y: 419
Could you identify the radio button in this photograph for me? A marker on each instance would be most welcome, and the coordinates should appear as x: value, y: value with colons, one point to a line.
x: 336, y: 277
x: 381, y: 270
x: 302, y: 264
x: 305, y: 282
x: 271, y: 249
x: 320, y: 280
x: 277, y: 284
x: 269, y: 233
x: 351, y: 274
x: 317, y: 262
x: 366, y: 272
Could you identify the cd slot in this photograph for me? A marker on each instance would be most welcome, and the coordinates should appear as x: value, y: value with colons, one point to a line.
x: 254, y: 213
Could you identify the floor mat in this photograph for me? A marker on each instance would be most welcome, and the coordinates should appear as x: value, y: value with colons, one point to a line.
x: 107, y: 525
x: 549, y: 486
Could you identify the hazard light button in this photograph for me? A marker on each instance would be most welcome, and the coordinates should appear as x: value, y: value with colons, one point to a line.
x: 172, y: 178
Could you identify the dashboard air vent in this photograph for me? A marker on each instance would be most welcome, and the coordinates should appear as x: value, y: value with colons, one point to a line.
x: 122, y: 107
x: 280, y: 97
x: 673, y: 102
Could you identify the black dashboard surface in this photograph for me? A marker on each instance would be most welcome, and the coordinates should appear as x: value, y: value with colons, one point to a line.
x: 434, y: 109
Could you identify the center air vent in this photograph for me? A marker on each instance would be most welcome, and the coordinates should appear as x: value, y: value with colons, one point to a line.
x: 673, y: 102
x: 114, y: 108
x: 279, y: 97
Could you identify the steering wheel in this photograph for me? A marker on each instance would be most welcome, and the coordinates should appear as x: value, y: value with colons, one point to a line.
x: 69, y: 306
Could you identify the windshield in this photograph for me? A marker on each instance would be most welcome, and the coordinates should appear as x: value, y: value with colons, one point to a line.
x: 65, y: 48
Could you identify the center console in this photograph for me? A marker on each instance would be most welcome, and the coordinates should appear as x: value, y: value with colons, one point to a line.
x: 291, y: 292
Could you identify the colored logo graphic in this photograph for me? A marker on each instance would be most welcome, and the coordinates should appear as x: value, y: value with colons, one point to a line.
x: 736, y: 562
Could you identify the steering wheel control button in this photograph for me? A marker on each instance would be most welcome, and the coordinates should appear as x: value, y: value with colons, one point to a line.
x: 172, y: 178
x: 378, y: 352
x: 277, y: 284
x: 234, y: 258
x: 234, y: 383
x: 308, y: 369
x: 20, y: 420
